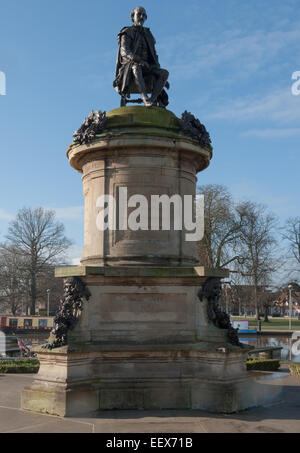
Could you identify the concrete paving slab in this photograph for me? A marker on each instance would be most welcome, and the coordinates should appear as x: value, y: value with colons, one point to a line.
x: 155, y: 426
x: 283, y: 417
x: 11, y: 386
x: 23, y: 423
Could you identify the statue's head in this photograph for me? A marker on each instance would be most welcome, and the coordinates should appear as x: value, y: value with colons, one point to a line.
x: 138, y: 16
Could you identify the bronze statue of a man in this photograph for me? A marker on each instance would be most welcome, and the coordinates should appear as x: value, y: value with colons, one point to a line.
x: 137, y: 63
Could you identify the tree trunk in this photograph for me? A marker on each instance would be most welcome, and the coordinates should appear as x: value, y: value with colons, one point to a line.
x: 257, y: 317
x: 33, y: 294
x: 266, y: 319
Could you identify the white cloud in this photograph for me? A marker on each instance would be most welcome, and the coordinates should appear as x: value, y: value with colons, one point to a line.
x: 70, y: 213
x: 4, y: 215
x: 66, y: 213
x: 187, y: 55
x: 272, y: 133
x: 279, y: 106
x: 281, y: 202
x: 74, y: 255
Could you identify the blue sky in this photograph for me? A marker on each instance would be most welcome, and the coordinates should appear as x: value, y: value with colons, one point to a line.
x: 230, y: 64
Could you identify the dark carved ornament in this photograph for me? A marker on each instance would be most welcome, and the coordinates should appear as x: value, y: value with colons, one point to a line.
x: 93, y: 125
x: 193, y: 128
x: 71, y: 306
x: 211, y: 291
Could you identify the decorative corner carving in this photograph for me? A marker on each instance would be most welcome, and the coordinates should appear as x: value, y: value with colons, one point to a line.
x: 211, y: 291
x: 70, y: 309
x: 93, y: 125
x: 193, y: 128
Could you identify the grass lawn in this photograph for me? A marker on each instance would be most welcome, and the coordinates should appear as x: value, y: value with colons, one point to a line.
x: 273, y: 324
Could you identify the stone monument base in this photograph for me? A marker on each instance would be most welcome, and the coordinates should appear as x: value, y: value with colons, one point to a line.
x: 144, y: 341
x: 73, y: 381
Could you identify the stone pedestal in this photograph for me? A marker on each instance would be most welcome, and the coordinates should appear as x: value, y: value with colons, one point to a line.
x: 144, y: 151
x: 143, y: 339
x: 74, y: 381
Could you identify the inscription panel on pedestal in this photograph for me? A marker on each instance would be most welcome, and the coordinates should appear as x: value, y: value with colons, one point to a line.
x: 142, y: 308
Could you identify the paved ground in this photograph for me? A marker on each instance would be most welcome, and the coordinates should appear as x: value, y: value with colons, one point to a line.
x: 283, y: 417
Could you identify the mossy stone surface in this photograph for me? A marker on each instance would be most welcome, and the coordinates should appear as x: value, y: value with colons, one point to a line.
x: 124, y: 271
x: 139, y: 116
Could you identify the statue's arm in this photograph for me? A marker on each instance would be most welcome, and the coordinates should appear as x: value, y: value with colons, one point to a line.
x: 153, y: 46
x: 156, y: 56
x: 126, y: 50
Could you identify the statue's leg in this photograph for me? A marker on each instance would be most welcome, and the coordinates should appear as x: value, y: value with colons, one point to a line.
x: 139, y: 80
x: 162, y: 77
x: 123, y: 101
x: 162, y: 99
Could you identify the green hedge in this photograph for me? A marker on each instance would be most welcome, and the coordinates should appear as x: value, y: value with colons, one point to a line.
x: 32, y: 366
x: 295, y: 369
x: 263, y: 364
x: 19, y: 366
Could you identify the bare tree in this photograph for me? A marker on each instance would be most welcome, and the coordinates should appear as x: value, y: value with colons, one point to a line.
x: 12, y: 279
x: 221, y: 227
x: 39, y: 238
x: 266, y: 298
x: 291, y: 233
x: 256, y: 246
x: 240, y: 292
x: 47, y: 282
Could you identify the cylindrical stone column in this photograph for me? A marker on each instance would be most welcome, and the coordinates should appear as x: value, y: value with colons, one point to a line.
x: 141, y: 151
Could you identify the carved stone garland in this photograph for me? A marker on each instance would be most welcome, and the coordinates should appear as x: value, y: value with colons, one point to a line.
x: 192, y: 127
x: 93, y: 125
x: 71, y: 306
x: 211, y: 291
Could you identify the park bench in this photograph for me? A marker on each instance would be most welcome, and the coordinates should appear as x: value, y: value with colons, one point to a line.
x: 269, y: 352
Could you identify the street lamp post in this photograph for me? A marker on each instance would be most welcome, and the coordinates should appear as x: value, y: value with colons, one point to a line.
x: 48, y: 301
x: 226, y: 288
x: 290, y: 306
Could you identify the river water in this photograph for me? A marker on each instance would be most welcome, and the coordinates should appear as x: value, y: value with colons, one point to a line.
x: 284, y: 341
